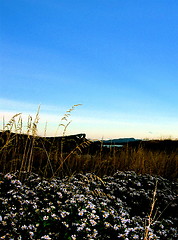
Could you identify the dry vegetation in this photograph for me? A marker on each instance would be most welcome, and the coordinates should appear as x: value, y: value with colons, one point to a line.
x: 80, y: 173
x: 49, y: 157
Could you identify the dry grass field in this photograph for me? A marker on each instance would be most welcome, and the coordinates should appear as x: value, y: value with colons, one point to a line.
x: 60, y: 156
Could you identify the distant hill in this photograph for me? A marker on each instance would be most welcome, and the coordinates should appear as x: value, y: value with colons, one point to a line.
x: 119, y: 141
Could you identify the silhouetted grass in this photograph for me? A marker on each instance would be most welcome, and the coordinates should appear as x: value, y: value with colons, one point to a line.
x: 52, y: 157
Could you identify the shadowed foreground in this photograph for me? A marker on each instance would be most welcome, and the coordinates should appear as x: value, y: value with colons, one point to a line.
x: 84, y: 206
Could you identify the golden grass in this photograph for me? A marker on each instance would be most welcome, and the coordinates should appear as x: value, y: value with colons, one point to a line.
x: 151, y: 218
x: 31, y: 153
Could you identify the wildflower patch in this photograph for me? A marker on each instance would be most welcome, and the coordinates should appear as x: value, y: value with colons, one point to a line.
x: 87, y: 207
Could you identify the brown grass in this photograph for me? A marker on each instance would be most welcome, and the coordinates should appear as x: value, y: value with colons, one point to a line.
x: 151, y: 218
x: 29, y: 152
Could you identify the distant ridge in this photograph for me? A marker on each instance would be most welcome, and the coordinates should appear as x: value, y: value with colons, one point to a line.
x: 120, y: 141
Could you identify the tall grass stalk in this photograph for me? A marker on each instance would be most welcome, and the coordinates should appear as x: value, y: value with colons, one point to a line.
x: 150, y: 217
x: 48, y: 157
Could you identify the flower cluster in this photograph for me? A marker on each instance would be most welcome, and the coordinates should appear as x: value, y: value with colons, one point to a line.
x: 85, y: 206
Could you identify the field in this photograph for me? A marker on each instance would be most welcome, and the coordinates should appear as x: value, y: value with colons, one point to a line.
x: 65, y: 156
x: 73, y: 188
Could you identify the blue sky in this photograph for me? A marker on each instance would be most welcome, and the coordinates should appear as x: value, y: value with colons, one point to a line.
x: 118, y: 58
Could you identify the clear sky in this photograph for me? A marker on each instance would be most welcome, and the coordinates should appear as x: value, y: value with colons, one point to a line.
x: 119, y: 58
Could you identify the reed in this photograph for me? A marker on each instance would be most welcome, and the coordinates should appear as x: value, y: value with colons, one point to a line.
x: 151, y: 218
x: 47, y: 157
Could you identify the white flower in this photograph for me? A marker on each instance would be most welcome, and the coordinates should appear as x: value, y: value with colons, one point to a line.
x: 45, y: 218
x: 31, y: 234
x: 3, y: 237
x: 64, y: 214
x: 106, y: 214
x: 66, y: 224
x: 107, y: 224
x: 73, y: 237
x: 93, y: 223
x: 46, y: 237
x: 24, y: 227
x: 79, y: 229
x: 82, y: 212
x: 8, y: 176
x: 116, y: 227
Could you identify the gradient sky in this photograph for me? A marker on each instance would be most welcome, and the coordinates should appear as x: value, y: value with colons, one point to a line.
x: 119, y: 58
